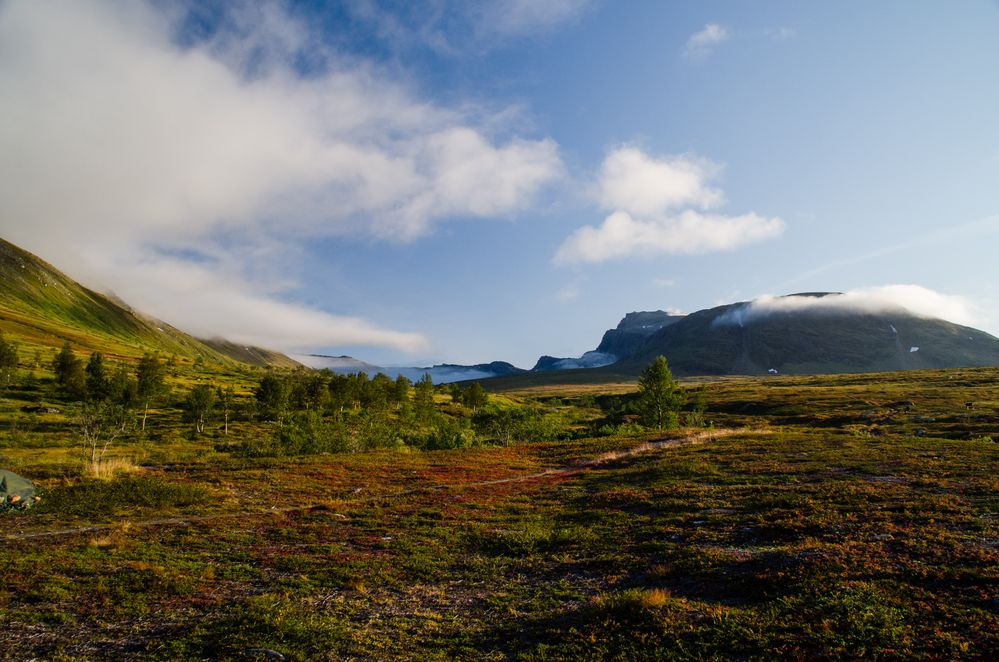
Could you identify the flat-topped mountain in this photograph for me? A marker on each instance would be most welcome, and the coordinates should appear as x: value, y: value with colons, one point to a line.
x: 812, y: 333
x: 617, y: 343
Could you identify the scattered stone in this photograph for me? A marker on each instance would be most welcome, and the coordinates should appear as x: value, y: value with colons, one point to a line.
x: 35, y: 409
x: 263, y: 654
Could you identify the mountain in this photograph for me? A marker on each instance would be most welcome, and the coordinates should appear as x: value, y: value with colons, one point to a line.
x: 802, y: 335
x: 250, y: 354
x: 632, y: 331
x: 443, y: 373
x: 341, y: 365
x: 617, y: 343
x: 41, y: 306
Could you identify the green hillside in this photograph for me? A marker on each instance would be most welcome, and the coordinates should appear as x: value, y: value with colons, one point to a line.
x: 42, y: 307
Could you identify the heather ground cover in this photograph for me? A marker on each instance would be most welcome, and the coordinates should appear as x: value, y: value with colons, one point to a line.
x: 845, y: 516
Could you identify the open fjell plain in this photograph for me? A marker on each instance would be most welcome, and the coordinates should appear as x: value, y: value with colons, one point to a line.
x: 837, y: 516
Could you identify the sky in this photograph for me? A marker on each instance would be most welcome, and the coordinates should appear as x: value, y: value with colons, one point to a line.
x: 444, y: 181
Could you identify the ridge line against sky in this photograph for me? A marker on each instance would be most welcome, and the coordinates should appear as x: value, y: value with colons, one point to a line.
x: 469, y: 181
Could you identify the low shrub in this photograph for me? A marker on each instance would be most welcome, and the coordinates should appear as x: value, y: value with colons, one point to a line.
x: 93, y: 498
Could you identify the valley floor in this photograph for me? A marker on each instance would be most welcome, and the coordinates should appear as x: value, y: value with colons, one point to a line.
x: 795, y: 530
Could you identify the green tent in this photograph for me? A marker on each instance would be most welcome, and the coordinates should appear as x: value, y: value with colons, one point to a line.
x: 15, y: 492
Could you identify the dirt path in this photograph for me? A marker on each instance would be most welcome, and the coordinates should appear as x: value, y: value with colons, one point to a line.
x: 688, y: 440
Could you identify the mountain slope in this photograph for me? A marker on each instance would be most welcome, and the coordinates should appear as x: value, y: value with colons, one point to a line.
x: 617, y: 343
x: 43, y: 307
x: 632, y: 332
x: 732, y: 340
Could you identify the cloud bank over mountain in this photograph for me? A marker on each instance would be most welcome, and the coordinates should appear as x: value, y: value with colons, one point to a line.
x: 913, y: 299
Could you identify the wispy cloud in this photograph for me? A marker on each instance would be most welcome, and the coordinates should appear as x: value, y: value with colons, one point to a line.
x: 781, y: 33
x: 702, y: 43
x: 644, y: 194
x: 457, y: 27
x: 140, y: 163
x: 568, y: 294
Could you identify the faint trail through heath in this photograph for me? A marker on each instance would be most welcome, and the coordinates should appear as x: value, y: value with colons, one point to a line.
x: 688, y: 440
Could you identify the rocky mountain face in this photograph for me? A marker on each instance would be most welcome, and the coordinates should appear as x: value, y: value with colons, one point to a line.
x: 617, y: 343
x: 737, y: 339
x: 632, y: 332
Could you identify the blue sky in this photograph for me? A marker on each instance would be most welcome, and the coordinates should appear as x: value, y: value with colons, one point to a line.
x: 412, y: 183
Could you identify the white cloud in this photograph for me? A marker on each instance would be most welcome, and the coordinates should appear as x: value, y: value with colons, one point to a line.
x: 635, y: 182
x: 118, y: 146
x: 643, y: 194
x: 688, y: 233
x: 211, y: 302
x: 702, y: 43
x: 915, y: 299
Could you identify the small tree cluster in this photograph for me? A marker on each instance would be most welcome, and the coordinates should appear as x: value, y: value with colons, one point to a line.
x: 199, y: 405
x: 8, y: 362
x: 474, y: 396
x: 659, y: 396
x: 70, y: 376
x: 150, y: 378
x: 277, y: 396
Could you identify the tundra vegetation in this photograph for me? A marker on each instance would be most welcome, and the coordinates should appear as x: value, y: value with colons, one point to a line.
x: 193, y: 510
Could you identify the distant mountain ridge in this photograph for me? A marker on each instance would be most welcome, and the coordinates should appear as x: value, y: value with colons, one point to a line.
x: 739, y: 339
x: 42, y: 306
x: 441, y: 373
x: 617, y: 343
x: 744, y: 339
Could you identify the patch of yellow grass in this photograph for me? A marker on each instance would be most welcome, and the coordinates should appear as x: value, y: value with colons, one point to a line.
x: 654, y: 598
x: 108, y: 468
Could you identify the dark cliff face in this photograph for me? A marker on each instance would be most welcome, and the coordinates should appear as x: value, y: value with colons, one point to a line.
x: 497, y: 368
x: 632, y: 332
x: 723, y: 340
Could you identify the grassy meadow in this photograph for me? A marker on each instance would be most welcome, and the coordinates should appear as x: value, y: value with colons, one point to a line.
x: 847, y: 516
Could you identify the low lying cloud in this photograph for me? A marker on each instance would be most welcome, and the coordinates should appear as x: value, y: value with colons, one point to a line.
x: 210, y: 304
x: 702, y: 43
x: 644, y: 194
x: 913, y: 299
x: 122, y: 144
